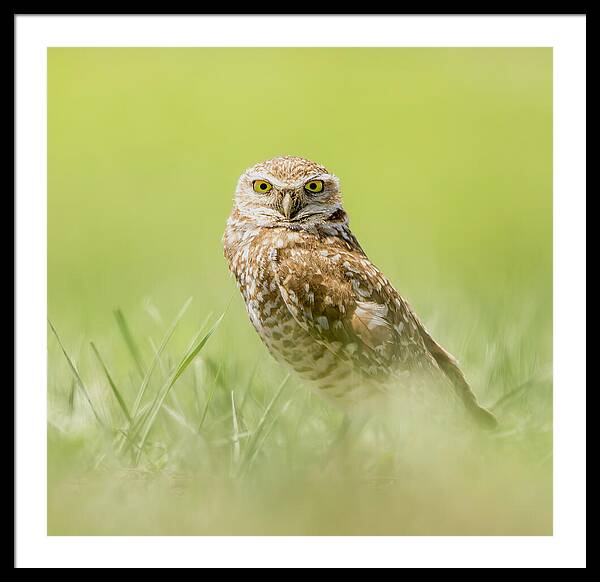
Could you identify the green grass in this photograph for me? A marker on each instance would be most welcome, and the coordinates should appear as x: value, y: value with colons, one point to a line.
x: 216, y: 447
x: 161, y: 423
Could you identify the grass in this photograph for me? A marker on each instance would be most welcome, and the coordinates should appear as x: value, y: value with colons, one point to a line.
x: 160, y: 423
x: 217, y: 447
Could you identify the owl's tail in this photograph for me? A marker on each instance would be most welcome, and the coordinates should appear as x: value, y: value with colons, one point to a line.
x: 481, y: 415
x: 449, y: 366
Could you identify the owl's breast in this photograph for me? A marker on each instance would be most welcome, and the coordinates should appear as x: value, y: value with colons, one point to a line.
x: 255, y: 265
x: 250, y: 260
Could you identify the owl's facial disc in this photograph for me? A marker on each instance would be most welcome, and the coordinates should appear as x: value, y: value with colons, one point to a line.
x: 287, y: 191
x: 264, y: 195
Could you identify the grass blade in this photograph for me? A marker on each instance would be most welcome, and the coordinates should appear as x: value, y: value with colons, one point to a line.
x: 519, y: 390
x: 162, y: 394
x: 131, y: 345
x: 71, y: 400
x: 163, y: 344
x: 266, y: 433
x: 125, y: 436
x: 235, y: 457
x: 210, y: 397
x: 179, y: 418
x: 114, y: 388
x: 194, y: 351
x: 248, y: 386
x: 134, y: 428
x: 76, y: 374
x: 252, y: 446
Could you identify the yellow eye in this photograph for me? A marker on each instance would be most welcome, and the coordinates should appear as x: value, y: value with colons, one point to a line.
x: 261, y: 186
x: 314, y: 186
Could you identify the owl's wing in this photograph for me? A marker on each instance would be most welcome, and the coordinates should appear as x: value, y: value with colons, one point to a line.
x: 343, y: 301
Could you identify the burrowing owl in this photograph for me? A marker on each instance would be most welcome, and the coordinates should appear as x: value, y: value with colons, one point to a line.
x: 314, y: 297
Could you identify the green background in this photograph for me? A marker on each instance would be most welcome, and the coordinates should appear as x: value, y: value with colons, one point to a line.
x: 445, y: 162
x: 444, y: 156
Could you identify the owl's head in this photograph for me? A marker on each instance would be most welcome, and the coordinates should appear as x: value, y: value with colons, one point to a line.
x: 287, y: 191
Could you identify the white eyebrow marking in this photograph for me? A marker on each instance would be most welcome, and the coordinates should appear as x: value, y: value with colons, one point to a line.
x: 252, y: 176
x: 297, y: 184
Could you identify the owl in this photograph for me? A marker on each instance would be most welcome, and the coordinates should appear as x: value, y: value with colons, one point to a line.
x: 316, y: 300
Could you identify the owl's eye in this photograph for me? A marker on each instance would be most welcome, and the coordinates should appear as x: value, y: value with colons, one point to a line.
x: 261, y: 186
x: 314, y: 186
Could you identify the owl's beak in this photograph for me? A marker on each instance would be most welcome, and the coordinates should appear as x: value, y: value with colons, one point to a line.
x: 287, y: 205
